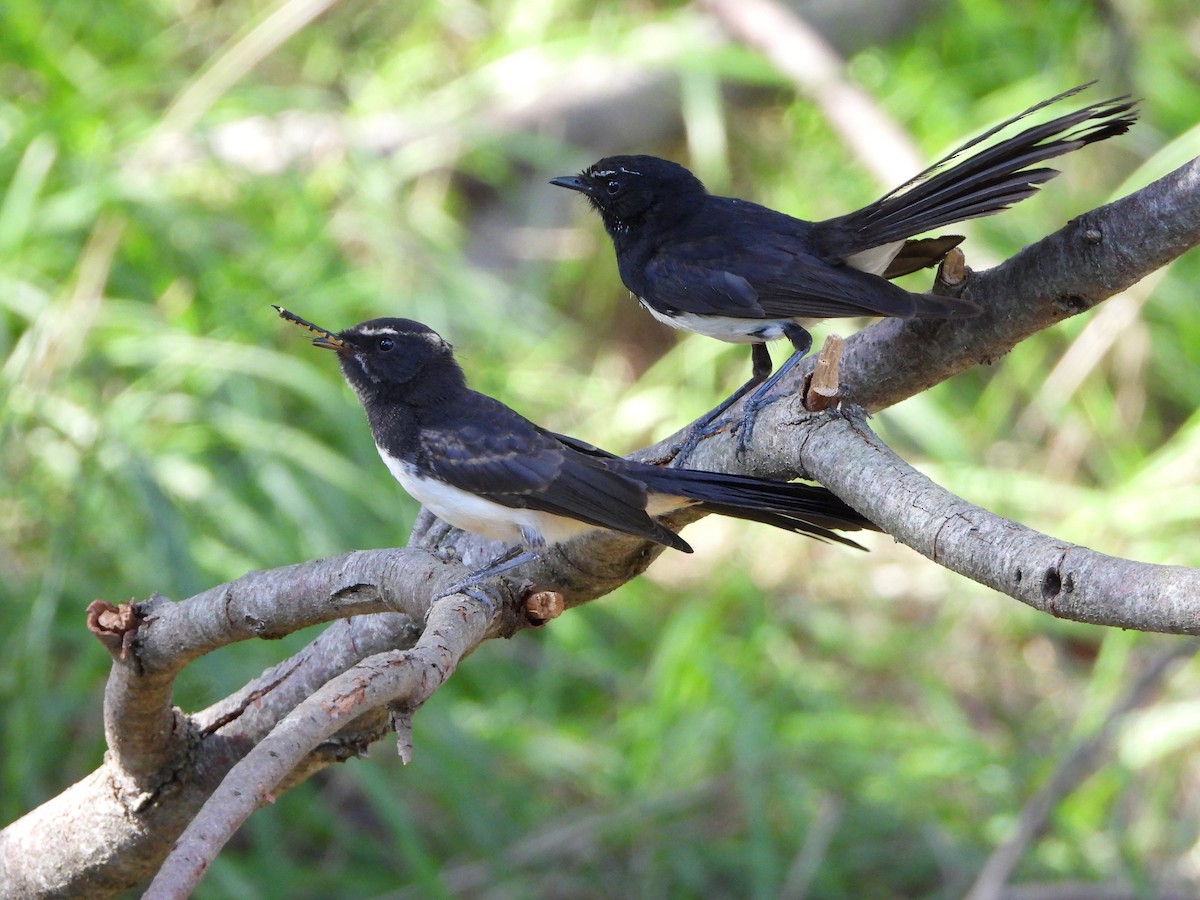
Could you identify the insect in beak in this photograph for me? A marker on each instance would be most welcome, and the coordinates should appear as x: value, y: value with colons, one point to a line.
x: 325, y: 339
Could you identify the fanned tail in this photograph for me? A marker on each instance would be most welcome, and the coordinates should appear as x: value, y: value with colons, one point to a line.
x: 987, y: 182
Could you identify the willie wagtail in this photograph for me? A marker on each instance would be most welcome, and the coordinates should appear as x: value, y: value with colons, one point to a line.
x: 743, y: 273
x: 482, y: 467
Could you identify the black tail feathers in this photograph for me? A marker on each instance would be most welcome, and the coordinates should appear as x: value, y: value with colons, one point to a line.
x: 793, y: 506
x: 932, y: 306
x: 987, y: 182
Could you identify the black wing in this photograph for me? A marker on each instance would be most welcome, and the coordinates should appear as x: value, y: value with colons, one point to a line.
x: 772, y: 277
x: 491, y: 451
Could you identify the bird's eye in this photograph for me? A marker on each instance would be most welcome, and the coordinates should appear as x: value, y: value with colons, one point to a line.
x: 386, y: 344
x: 613, y: 186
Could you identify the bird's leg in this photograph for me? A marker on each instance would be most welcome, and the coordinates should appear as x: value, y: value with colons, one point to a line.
x: 506, y: 561
x: 760, y: 370
x: 802, y: 343
x: 514, y: 556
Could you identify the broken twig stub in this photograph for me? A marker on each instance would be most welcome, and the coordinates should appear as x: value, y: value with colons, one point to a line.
x: 824, y: 388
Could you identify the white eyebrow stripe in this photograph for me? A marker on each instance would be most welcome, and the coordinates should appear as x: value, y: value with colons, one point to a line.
x: 431, y: 336
x: 604, y: 173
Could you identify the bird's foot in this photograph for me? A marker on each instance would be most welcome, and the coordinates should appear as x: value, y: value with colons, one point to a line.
x: 698, y: 432
x: 467, y: 589
x: 506, y: 561
x: 745, y: 427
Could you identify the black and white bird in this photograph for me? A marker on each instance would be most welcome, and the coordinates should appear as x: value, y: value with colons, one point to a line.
x: 740, y: 272
x: 482, y: 467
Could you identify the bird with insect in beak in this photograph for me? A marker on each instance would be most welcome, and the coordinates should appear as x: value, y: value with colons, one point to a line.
x: 740, y: 272
x: 484, y: 468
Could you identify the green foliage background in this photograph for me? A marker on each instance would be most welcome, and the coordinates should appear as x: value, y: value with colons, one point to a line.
x: 768, y: 716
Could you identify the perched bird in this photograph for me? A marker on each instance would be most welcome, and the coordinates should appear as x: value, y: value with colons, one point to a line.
x: 482, y: 467
x: 743, y: 273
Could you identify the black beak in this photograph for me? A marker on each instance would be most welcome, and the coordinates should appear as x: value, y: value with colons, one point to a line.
x: 571, y: 183
x: 327, y: 340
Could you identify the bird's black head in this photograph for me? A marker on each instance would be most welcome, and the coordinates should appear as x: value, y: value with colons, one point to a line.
x: 383, y: 359
x: 629, y: 191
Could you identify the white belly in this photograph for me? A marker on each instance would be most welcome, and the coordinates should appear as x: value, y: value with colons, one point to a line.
x: 475, y: 514
x: 726, y: 328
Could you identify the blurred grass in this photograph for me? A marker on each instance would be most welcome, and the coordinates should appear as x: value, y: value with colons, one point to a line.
x: 766, y: 716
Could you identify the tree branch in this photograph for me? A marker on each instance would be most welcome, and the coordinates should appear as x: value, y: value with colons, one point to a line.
x: 159, y: 637
x: 406, y: 678
x: 1094, y: 256
x: 125, y: 816
x: 1048, y: 574
x: 278, y: 602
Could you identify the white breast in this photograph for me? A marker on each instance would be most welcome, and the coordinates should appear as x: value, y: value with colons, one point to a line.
x: 725, y: 328
x: 475, y: 514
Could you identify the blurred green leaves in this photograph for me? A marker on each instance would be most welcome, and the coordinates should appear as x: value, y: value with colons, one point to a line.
x: 766, y: 715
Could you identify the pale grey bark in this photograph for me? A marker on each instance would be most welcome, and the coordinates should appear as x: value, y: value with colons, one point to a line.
x: 403, y: 677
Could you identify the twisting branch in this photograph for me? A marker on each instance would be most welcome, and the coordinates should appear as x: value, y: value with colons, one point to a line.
x: 125, y: 816
x: 158, y: 638
x: 406, y: 678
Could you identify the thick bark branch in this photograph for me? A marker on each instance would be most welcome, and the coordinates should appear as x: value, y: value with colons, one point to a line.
x: 278, y: 602
x: 146, y: 736
x: 124, y: 818
x: 122, y: 827
x: 1094, y: 256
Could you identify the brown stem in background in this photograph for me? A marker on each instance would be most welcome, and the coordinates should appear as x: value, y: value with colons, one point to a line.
x: 1074, y: 767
